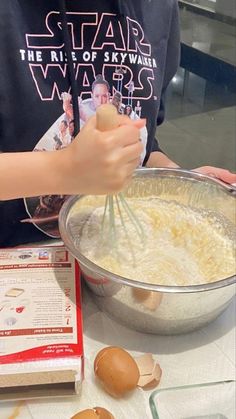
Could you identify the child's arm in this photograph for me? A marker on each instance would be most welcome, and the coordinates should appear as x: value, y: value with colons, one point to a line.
x: 159, y: 159
x: 94, y: 163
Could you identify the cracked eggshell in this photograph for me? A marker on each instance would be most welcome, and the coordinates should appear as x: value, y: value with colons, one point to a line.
x: 145, y: 364
x: 95, y: 413
x: 86, y: 414
x: 103, y: 413
x: 150, y: 381
x: 116, y: 370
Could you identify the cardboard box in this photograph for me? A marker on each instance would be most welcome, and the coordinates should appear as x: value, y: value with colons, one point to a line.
x: 41, y: 344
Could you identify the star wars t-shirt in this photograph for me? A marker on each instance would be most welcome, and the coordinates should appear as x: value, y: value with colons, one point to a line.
x: 123, y: 52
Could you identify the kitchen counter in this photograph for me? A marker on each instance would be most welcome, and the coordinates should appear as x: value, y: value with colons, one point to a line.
x: 209, y: 36
x: 203, y: 356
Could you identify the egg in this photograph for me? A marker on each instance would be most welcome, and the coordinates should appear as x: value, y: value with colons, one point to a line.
x: 103, y: 413
x: 116, y: 370
x: 95, y: 413
x: 86, y: 414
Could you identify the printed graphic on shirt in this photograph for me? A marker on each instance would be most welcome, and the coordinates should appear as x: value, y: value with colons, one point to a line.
x: 113, y: 64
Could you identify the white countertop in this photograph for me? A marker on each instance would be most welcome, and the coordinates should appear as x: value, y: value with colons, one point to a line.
x: 204, y: 356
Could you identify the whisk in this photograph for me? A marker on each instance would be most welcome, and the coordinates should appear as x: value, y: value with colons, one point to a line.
x: 117, y: 205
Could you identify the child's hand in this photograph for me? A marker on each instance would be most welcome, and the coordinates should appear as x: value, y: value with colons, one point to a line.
x: 100, y: 162
x: 222, y: 174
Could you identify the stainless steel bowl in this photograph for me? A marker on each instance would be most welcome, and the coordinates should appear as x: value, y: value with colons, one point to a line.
x: 156, y: 308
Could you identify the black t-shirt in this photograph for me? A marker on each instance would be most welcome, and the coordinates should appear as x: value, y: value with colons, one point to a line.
x: 124, y: 52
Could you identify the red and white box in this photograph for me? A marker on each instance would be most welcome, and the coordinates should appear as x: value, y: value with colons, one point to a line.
x: 41, y: 339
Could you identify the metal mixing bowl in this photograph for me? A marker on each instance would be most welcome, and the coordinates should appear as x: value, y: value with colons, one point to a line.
x: 156, y: 308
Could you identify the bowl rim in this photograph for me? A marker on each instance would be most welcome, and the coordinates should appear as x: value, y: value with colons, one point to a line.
x: 103, y: 273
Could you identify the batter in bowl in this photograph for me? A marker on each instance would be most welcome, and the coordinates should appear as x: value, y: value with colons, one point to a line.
x: 181, y: 245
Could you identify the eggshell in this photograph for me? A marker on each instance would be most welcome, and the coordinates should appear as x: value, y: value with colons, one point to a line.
x: 145, y: 364
x: 116, y: 370
x: 150, y: 372
x: 100, y: 355
x: 103, y: 413
x: 150, y: 381
x: 144, y: 380
x: 95, y: 413
x: 86, y: 414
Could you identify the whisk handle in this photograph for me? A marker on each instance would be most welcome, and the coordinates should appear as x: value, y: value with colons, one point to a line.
x: 106, y: 117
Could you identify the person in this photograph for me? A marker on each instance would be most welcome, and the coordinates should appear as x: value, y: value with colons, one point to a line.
x: 100, y: 92
x: 67, y: 106
x: 59, y: 47
x: 71, y: 129
x: 64, y: 136
x: 100, y: 95
x: 58, y: 143
x: 117, y: 101
x: 130, y: 93
x: 128, y: 110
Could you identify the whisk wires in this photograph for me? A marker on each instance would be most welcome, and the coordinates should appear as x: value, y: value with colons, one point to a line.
x: 117, y: 210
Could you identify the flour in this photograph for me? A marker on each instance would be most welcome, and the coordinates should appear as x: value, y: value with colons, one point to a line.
x: 180, y: 246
